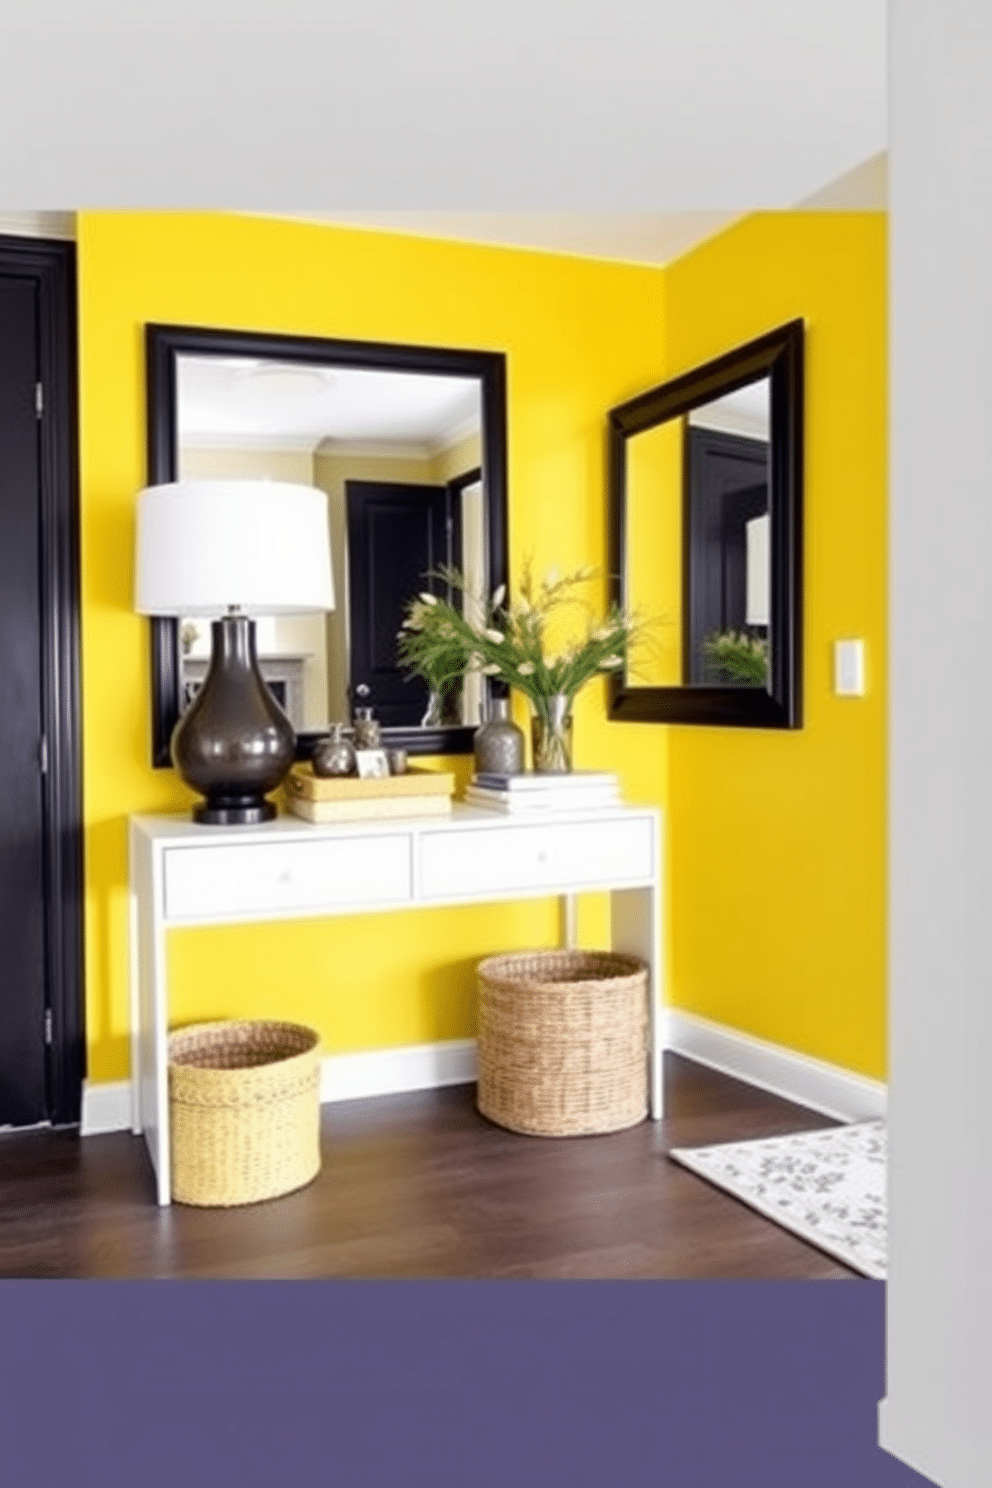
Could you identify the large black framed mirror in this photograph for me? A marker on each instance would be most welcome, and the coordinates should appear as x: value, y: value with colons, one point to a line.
x: 705, y: 534
x: 410, y: 444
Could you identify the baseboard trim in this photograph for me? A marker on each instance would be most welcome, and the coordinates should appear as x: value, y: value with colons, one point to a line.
x: 797, y: 1077
x: 107, y: 1107
x: 391, y: 1071
x: 823, y: 1087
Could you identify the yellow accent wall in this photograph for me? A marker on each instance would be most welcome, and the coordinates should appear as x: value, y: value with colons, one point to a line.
x: 579, y: 336
x: 776, y: 866
x: 777, y: 838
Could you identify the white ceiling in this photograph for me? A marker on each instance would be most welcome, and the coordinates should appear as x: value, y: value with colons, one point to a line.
x: 745, y: 411
x: 580, y: 106
x: 229, y: 402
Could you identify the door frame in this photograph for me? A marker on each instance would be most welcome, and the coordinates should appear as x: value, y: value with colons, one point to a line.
x: 51, y: 265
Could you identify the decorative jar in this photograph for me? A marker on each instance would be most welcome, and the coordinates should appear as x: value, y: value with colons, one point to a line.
x: 334, y: 755
x: 367, y: 730
x: 499, y: 743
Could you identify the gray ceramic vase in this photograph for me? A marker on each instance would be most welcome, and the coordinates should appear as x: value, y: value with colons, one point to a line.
x: 499, y: 744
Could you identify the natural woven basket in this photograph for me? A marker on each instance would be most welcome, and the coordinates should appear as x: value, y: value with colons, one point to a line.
x: 563, y: 1042
x: 244, y: 1111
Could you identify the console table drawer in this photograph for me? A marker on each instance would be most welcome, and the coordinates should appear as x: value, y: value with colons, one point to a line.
x: 294, y: 876
x: 473, y: 863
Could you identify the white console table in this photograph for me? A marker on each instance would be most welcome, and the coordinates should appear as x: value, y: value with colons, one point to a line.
x: 184, y: 874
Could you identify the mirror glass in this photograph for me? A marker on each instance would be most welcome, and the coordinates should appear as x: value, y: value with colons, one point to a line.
x: 698, y: 505
x: 400, y: 457
x: 705, y: 496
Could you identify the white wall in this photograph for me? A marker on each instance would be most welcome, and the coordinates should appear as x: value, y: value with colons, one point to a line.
x: 939, y: 1329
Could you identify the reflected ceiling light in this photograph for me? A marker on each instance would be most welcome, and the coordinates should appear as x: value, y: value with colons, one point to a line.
x: 288, y: 381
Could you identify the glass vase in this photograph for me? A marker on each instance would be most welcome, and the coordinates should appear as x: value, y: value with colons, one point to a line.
x: 551, y: 735
x: 434, y: 714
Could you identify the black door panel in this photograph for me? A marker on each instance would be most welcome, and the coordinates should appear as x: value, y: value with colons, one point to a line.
x: 398, y: 535
x: 22, y: 883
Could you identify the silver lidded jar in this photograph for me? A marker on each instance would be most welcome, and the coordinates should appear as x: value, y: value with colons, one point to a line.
x: 367, y: 729
x: 499, y: 743
x: 335, y: 755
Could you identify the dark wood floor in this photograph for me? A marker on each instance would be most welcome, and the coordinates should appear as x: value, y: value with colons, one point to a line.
x: 421, y: 1186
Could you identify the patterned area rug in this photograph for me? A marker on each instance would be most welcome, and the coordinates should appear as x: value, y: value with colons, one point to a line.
x: 827, y: 1186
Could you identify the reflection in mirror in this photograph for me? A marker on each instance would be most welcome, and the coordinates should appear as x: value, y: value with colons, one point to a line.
x: 698, y: 503
x: 727, y: 505
x: 705, y: 508
x: 400, y: 457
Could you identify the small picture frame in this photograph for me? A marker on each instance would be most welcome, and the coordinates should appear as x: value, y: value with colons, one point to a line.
x: 372, y: 764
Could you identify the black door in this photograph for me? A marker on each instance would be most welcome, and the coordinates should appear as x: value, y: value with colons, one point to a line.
x: 22, y: 882
x: 727, y: 486
x: 42, y: 1038
x: 398, y: 535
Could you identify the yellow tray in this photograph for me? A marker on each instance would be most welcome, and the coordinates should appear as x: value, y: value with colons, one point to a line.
x: 303, y: 785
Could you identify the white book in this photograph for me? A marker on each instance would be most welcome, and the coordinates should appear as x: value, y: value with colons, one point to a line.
x: 534, y: 804
x: 570, y: 780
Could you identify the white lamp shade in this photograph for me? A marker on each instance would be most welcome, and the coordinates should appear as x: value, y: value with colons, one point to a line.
x: 205, y: 546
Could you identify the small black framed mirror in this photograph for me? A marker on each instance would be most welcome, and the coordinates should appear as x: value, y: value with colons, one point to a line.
x: 410, y: 444
x: 705, y: 533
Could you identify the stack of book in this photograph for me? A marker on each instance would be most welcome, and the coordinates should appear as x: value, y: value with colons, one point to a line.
x: 579, y: 790
x: 324, y: 799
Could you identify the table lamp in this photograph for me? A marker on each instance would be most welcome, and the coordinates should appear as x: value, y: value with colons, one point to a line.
x: 231, y: 550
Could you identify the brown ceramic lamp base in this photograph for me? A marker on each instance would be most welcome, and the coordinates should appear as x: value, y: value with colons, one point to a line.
x: 234, y: 744
x: 237, y: 814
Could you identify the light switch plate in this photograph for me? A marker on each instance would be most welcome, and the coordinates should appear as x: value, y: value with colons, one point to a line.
x: 849, y: 668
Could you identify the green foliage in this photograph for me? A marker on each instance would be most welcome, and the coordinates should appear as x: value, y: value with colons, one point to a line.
x: 505, y: 639
x: 744, y: 658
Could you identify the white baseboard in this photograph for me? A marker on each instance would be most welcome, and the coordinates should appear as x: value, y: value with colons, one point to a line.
x: 107, y: 1107
x: 828, y: 1088
x: 389, y: 1071
x: 811, y: 1082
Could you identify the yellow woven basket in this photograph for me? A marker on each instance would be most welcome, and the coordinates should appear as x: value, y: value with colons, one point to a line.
x: 244, y: 1111
x: 563, y: 1042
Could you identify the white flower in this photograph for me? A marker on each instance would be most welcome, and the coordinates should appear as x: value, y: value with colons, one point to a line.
x: 447, y: 630
x: 492, y: 669
x: 496, y: 636
x: 611, y: 661
x: 499, y: 596
x: 429, y: 598
x: 526, y: 668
